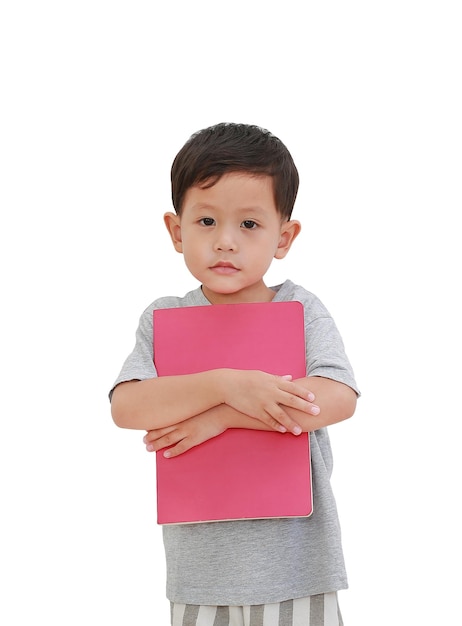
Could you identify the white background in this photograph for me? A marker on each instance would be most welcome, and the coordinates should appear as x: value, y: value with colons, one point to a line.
x: 97, y: 98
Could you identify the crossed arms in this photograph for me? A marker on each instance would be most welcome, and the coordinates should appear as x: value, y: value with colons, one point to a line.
x: 184, y: 411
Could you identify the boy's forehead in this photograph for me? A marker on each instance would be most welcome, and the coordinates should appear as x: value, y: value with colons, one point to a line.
x: 237, y: 176
x: 235, y: 185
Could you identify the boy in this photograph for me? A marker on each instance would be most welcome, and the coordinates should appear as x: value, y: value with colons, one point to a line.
x: 233, y: 190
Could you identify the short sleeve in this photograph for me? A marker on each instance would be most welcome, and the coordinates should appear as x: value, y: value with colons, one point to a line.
x: 139, y: 364
x: 325, y: 352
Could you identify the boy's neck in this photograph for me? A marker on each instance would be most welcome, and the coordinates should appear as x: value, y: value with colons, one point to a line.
x: 260, y: 294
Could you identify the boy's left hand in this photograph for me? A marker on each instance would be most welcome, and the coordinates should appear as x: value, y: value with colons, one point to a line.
x: 183, y: 436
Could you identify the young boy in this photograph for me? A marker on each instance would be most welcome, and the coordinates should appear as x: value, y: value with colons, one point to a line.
x: 233, y: 190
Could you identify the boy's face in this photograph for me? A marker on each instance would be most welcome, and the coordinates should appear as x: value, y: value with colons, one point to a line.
x: 229, y: 235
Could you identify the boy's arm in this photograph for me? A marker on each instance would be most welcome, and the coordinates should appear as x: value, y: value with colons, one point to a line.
x: 168, y: 400
x: 336, y: 402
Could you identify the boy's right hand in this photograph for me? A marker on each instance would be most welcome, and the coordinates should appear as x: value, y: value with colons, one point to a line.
x: 184, y: 436
x: 263, y: 396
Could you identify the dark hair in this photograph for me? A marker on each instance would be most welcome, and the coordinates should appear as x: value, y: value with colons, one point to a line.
x: 226, y: 147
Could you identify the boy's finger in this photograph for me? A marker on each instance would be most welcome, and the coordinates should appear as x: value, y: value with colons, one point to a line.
x: 280, y: 421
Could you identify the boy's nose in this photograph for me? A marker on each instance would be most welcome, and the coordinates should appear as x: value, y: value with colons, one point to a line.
x: 225, y: 242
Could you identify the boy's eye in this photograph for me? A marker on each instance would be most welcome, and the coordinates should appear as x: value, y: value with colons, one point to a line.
x: 249, y: 224
x: 207, y: 221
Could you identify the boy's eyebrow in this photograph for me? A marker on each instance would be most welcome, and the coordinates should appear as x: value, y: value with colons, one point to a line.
x: 199, y: 206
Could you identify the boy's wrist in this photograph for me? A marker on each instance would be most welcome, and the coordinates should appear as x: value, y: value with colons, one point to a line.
x: 219, y: 382
x: 222, y: 415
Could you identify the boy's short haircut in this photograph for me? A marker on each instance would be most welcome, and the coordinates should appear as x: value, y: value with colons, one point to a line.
x: 227, y: 147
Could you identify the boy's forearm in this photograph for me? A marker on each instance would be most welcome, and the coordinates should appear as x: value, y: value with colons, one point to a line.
x: 163, y: 401
x: 336, y: 403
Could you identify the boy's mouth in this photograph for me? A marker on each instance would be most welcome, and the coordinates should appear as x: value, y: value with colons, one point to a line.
x: 224, y: 267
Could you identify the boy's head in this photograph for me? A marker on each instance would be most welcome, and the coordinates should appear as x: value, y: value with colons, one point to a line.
x: 226, y: 148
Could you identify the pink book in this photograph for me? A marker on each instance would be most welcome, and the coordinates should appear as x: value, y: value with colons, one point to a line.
x: 241, y: 474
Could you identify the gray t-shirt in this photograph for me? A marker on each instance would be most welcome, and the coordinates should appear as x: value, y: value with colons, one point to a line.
x: 259, y: 561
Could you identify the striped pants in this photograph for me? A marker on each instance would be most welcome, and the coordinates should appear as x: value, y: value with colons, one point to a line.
x: 320, y: 610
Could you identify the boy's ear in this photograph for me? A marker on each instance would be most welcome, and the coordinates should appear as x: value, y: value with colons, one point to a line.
x: 289, y: 231
x: 172, y: 222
